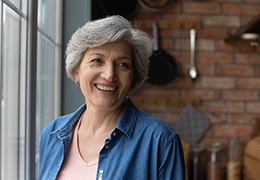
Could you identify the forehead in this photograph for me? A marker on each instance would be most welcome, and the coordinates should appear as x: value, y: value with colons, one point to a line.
x: 119, y: 47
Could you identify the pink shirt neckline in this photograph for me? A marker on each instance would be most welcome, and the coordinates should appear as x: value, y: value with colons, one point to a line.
x: 74, y: 165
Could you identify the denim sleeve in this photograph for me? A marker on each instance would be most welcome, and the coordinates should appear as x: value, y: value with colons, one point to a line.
x: 172, y: 165
x: 42, y: 147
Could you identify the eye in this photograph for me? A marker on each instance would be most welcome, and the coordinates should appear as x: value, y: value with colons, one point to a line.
x: 124, y: 65
x: 96, y: 61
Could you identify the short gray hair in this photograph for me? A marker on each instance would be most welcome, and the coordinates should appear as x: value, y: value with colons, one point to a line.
x: 110, y: 29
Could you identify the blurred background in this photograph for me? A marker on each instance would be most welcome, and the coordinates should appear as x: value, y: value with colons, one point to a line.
x: 209, y: 91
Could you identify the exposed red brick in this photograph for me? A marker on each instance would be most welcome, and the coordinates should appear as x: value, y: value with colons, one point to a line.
x: 241, y: 9
x: 215, y: 57
x: 224, y: 1
x: 222, y: 21
x: 225, y: 107
x: 182, y: 82
x: 166, y: 44
x: 251, y: 1
x: 204, y: 94
x: 253, y: 107
x: 257, y: 71
x: 232, y: 130
x: 172, y: 33
x: 204, y: 45
x: 151, y: 108
x: 182, y: 17
x: 206, y: 69
x: 213, y: 32
x: 236, y: 70
x: 242, y: 118
x: 181, y: 56
x: 248, y: 58
x: 217, y: 118
x: 201, y: 8
x: 174, y: 8
x: 241, y: 95
x: 157, y: 90
x: 215, y: 82
x: 249, y: 83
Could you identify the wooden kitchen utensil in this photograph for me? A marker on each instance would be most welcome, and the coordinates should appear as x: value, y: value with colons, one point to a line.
x: 251, y: 157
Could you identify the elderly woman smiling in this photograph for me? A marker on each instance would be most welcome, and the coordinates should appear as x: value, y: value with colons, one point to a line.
x: 108, y: 137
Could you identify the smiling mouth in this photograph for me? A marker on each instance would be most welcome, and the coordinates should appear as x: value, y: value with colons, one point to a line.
x: 106, y: 88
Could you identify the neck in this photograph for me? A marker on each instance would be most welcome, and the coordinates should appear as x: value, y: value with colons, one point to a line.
x: 100, y: 121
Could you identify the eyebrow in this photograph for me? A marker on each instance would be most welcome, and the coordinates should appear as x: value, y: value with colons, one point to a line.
x: 100, y: 54
x: 96, y: 53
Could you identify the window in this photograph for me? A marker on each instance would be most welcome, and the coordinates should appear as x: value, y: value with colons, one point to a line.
x: 13, y: 68
x: 48, y: 62
x: 15, y: 81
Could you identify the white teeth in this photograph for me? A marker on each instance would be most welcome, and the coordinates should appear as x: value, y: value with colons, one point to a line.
x: 105, y: 88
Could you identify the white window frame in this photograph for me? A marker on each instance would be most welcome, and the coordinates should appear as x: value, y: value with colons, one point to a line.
x: 27, y: 127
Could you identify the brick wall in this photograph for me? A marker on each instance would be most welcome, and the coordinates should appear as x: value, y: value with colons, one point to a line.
x: 229, y: 81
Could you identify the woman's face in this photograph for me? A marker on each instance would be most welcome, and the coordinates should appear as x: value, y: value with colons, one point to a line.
x: 105, y: 74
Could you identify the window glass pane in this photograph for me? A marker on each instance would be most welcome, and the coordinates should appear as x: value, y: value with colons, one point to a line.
x: 48, y: 63
x: 12, y: 134
x: 21, y: 5
x: 45, y: 80
x: 45, y: 84
x: 17, y: 3
x: 24, y: 4
x: 49, y: 17
x: 22, y: 89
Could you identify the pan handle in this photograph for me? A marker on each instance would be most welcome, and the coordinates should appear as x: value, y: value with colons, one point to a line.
x: 155, y: 37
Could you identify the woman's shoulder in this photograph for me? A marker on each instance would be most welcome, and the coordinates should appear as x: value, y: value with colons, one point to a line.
x: 62, y: 122
x: 56, y: 123
x: 154, y: 123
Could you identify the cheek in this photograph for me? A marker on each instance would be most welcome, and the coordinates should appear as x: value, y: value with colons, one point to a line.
x: 130, y: 80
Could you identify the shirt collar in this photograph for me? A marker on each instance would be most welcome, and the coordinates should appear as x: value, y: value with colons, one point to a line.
x: 125, y: 124
x: 67, y: 125
x: 128, y: 118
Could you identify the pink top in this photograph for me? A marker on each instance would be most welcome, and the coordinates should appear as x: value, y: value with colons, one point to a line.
x: 74, y: 167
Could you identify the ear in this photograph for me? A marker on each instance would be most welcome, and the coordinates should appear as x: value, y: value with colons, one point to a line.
x: 76, y: 76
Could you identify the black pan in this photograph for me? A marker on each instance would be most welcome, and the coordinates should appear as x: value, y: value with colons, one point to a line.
x: 163, y: 67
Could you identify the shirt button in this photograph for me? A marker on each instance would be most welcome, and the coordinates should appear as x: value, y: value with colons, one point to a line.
x: 107, y: 147
x: 114, y: 134
x: 100, y: 174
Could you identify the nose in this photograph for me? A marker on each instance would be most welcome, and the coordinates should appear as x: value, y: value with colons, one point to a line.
x: 109, y: 72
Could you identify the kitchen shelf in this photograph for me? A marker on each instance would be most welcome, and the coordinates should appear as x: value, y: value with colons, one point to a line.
x: 250, y: 32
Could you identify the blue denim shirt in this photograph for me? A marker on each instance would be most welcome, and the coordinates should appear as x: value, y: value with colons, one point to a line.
x: 141, y: 147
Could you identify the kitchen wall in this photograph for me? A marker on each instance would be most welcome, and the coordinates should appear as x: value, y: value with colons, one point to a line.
x: 229, y: 72
x: 75, y: 15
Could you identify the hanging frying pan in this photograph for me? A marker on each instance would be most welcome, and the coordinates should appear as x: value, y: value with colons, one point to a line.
x: 163, y: 67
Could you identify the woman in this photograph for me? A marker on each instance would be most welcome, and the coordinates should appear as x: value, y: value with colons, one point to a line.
x: 108, y: 137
